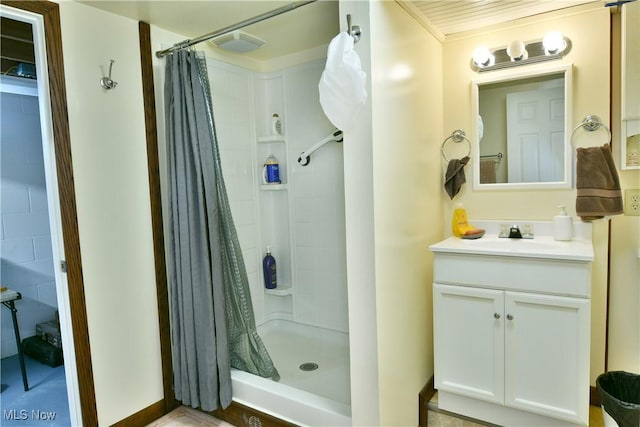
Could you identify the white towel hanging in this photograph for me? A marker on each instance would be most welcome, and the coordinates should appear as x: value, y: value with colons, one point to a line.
x: 342, y: 85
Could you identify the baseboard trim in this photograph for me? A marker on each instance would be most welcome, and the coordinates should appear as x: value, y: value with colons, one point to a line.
x: 424, y: 397
x: 594, y: 399
x: 428, y: 391
x: 243, y: 416
x: 144, y: 416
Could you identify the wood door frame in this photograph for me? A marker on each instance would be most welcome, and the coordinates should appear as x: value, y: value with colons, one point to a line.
x: 50, y: 13
x: 155, y: 197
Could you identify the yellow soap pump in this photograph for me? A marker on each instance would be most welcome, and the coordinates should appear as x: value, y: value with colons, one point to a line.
x: 460, y: 224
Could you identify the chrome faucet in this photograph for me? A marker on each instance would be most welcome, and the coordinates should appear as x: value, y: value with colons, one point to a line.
x: 514, y: 232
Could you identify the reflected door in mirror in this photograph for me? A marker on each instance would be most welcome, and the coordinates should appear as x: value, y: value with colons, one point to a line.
x: 535, y: 135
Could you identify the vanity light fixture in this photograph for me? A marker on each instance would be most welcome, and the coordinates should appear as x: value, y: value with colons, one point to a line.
x: 482, y: 57
x: 553, y: 46
x: 553, y: 43
x: 517, y: 50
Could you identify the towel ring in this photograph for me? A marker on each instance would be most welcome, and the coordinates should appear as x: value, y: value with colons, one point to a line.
x: 591, y: 124
x: 457, y: 136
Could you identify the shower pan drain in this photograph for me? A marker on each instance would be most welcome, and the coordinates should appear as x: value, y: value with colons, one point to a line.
x: 309, y: 366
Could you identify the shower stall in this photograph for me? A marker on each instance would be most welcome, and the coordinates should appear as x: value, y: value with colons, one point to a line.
x: 304, y: 320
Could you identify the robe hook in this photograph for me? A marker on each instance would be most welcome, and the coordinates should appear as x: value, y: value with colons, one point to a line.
x: 106, y: 82
x: 353, y: 31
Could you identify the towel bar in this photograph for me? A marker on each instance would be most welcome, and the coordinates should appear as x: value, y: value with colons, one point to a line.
x: 591, y: 124
x: 457, y: 136
x: 497, y: 157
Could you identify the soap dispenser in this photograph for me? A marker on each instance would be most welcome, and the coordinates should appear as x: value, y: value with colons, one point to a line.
x: 562, y: 225
x: 459, y: 220
x: 269, y: 270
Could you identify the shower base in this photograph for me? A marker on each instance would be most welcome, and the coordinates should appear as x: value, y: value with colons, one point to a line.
x: 302, y: 396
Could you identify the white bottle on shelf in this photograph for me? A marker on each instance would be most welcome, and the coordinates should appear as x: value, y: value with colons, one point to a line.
x: 276, y: 124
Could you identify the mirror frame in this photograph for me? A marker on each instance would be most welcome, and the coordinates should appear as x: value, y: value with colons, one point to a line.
x: 516, y: 74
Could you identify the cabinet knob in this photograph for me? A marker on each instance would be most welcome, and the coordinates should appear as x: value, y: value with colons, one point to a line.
x: 496, y: 315
x: 509, y: 317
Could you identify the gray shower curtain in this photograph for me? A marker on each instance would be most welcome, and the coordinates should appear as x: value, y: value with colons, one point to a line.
x: 212, y: 322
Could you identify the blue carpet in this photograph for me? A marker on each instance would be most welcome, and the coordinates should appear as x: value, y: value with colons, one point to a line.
x: 45, y: 404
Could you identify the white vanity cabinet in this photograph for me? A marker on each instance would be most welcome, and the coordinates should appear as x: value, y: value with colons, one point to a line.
x: 512, y: 336
x: 547, y: 355
x: 469, y: 341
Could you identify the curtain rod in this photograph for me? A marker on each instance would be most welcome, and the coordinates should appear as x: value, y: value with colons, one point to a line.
x: 275, y: 12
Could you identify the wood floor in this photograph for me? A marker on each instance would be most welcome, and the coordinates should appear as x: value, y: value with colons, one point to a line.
x: 437, y: 418
x: 187, y: 417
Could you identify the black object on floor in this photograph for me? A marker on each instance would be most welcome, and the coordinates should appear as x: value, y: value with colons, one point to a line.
x: 42, y: 351
x: 619, y: 392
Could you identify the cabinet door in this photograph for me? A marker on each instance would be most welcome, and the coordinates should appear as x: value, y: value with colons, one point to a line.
x: 469, y: 341
x: 547, y: 355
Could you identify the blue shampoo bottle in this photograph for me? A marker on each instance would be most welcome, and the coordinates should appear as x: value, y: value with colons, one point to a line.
x: 269, y: 270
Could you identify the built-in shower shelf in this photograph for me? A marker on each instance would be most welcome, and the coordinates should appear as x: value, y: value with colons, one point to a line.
x: 272, y: 138
x: 273, y: 187
x: 278, y: 292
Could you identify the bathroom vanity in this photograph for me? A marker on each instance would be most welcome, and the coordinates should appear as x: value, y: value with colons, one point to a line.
x: 512, y: 327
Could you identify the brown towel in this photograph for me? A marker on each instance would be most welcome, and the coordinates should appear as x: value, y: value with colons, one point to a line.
x: 597, y: 183
x: 487, y: 171
x: 454, y: 177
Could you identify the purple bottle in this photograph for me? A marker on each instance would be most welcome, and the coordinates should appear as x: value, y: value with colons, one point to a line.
x: 269, y: 270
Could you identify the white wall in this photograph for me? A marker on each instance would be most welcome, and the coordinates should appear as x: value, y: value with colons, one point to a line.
x: 359, y: 222
x: 110, y: 172
x: 392, y: 183
x: 407, y: 98
x: 25, y: 241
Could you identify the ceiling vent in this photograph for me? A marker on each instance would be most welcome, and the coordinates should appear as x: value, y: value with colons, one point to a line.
x: 238, y: 41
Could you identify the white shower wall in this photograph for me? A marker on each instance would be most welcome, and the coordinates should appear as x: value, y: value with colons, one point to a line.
x: 318, y: 205
x: 232, y: 97
x: 304, y: 221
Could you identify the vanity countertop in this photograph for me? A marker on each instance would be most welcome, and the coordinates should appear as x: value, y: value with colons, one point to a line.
x: 542, y: 245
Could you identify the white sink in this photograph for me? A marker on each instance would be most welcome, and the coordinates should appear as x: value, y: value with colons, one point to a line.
x: 541, y: 246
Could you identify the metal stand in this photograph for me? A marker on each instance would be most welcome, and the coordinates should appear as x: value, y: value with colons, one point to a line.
x: 11, y: 306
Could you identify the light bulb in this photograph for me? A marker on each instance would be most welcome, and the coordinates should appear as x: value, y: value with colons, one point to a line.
x: 553, y: 43
x: 517, y: 50
x: 483, y: 57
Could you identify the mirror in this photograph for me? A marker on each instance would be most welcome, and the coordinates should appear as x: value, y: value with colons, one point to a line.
x: 522, y: 135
